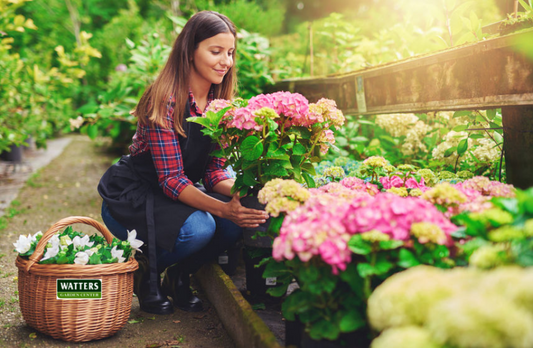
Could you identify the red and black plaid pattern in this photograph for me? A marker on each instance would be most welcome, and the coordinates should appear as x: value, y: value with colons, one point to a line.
x: 166, y: 153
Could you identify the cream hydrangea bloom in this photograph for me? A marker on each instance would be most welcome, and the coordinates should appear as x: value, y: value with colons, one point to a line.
x: 404, y: 337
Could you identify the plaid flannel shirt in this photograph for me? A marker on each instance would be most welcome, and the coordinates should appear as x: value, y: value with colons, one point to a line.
x: 166, y: 153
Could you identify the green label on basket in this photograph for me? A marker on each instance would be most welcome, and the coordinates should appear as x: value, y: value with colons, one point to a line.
x: 75, y: 289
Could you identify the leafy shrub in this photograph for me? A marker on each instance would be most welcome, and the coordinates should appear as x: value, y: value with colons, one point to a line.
x: 442, y: 141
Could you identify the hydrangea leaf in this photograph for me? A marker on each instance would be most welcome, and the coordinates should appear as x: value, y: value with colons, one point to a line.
x: 252, y: 148
x: 352, y: 321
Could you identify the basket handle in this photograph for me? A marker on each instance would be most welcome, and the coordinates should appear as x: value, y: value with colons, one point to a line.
x: 39, y: 249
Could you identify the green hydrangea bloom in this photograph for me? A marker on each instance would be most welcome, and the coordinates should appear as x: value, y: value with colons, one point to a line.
x: 375, y: 162
x: 444, y: 194
x: 399, y: 191
x: 471, y: 320
x: 340, y: 161
x: 493, y: 216
x: 446, y: 175
x: 489, y: 256
x: 266, y: 113
x: 405, y: 337
x: 406, y: 298
x: 427, y: 232
x: 510, y: 282
x: 506, y: 234
x: 415, y: 192
x: 375, y: 236
x: 406, y: 167
x: 465, y: 174
x: 335, y: 172
x: 429, y: 177
x: 390, y: 169
x: 528, y: 228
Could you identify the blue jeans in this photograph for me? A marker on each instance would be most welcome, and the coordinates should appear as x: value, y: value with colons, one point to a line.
x: 195, y: 234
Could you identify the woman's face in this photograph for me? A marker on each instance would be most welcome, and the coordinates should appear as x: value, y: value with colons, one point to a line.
x: 212, y: 59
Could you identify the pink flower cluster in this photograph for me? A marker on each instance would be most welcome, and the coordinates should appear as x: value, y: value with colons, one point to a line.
x: 325, y: 223
x: 350, y: 187
x: 394, y: 215
x: 316, y: 228
x: 293, y: 106
x: 357, y: 184
x: 327, y: 137
x: 219, y: 104
x: 487, y: 187
x: 396, y: 181
x: 326, y: 110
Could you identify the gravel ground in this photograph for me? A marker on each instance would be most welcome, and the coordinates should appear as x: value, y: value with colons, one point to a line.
x: 67, y: 187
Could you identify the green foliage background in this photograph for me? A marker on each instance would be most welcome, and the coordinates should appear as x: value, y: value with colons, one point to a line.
x: 132, y: 38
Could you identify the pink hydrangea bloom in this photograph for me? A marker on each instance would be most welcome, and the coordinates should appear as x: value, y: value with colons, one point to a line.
x: 323, y: 226
x: 411, y: 183
x: 307, y: 228
x: 326, y: 139
x: 219, y: 104
x: 357, y: 184
x: 245, y: 119
x: 393, y: 181
x: 292, y: 105
x: 396, y: 181
x: 487, y: 187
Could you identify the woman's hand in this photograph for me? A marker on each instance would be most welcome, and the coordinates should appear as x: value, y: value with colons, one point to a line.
x: 244, y: 217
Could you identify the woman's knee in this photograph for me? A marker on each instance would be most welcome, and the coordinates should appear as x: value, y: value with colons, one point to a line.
x: 200, y: 226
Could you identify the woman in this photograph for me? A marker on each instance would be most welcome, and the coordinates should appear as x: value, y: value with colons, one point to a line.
x: 154, y: 190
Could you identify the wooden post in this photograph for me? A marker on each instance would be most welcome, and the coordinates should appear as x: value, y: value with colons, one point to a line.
x: 518, y: 145
x: 311, y: 59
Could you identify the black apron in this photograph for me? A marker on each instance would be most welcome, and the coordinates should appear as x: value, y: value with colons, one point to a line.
x: 131, y: 190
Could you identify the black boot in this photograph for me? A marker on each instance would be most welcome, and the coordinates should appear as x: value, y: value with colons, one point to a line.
x: 176, y: 284
x: 151, y: 302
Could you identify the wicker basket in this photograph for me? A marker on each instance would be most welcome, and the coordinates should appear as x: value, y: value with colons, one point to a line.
x: 75, y: 320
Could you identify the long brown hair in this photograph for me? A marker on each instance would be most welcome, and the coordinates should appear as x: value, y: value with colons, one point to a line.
x: 173, y: 80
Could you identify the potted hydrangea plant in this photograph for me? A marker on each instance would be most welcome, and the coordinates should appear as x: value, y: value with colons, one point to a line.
x: 271, y: 136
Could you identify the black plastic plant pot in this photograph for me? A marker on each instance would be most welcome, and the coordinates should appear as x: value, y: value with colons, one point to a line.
x: 255, y: 283
x: 293, y: 332
x: 15, y: 155
x: 249, y: 237
x: 229, y: 259
x: 358, y: 339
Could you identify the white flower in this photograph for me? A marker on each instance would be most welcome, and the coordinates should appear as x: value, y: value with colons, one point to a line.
x: 81, y: 242
x: 34, y: 237
x: 135, y: 243
x: 81, y: 258
x: 51, y: 251
x: 75, y: 123
x: 23, y: 244
x: 53, y: 242
x: 118, y: 254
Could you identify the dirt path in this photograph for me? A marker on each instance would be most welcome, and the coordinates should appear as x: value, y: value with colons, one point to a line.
x: 66, y: 187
